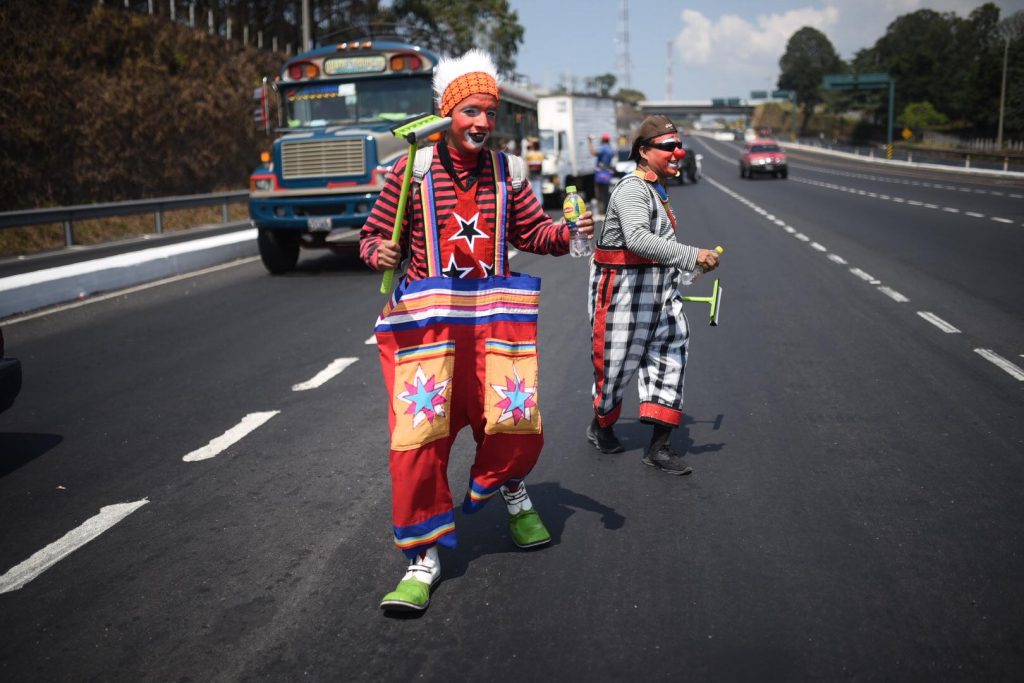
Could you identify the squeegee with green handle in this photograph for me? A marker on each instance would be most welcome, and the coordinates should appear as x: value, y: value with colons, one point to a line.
x: 715, y: 300
x: 415, y: 131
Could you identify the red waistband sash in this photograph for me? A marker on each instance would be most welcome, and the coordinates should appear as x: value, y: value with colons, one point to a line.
x: 620, y: 257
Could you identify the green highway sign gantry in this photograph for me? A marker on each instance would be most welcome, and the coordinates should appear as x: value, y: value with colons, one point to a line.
x: 869, y: 81
x: 872, y: 81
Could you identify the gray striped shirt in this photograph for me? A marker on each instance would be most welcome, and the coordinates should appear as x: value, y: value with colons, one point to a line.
x: 628, y: 224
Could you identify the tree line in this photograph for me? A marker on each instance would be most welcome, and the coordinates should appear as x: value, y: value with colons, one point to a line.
x: 948, y: 72
x: 99, y: 104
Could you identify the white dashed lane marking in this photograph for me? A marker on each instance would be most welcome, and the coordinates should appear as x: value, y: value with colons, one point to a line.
x: 336, y: 367
x: 901, y: 200
x: 109, y: 515
x: 866, y: 277
x: 938, y: 322
x: 893, y: 294
x: 229, y: 438
x: 1001, y: 363
x: 988, y: 354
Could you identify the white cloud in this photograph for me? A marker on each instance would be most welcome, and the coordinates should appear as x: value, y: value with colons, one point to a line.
x: 735, y: 44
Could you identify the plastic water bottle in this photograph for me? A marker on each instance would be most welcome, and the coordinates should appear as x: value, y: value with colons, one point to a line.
x: 572, y: 208
x: 687, y: 277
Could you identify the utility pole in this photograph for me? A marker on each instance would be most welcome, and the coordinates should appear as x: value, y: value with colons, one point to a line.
x: 1008, y: 29
x: 306, y: 38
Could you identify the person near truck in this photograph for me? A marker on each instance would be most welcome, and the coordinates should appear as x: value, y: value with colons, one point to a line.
x: 604, y: 169
x: 635, y: 308
x: 535, y: 163
x: 458, y: 337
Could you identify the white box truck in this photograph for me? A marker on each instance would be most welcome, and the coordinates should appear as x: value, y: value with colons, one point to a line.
x: 565, y: 121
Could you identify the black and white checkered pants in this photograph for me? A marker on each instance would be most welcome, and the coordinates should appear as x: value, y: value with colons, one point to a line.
x: 638, y: 324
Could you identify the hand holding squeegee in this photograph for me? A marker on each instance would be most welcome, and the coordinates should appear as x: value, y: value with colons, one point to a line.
x: 418, y: 130
x: 715, y: 300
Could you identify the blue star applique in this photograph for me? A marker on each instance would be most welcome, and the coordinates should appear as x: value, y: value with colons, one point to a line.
x: 425, y: 397
x: 517, y: 399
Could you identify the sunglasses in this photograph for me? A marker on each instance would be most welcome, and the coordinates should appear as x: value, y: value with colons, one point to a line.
x: 670, y: 146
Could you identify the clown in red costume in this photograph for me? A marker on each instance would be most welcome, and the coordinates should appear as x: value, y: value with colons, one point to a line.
x: 458, y: 337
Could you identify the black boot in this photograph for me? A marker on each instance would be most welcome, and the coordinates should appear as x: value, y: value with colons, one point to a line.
x: 660, y: 454
x: 603, y: 438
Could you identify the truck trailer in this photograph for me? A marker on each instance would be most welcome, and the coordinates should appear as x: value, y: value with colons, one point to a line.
x: 565, y: 122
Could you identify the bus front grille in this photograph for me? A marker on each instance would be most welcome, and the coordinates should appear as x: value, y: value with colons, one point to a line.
x: 319, y: 158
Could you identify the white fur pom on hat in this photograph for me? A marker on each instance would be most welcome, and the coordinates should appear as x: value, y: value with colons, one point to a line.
x: 456, y: 78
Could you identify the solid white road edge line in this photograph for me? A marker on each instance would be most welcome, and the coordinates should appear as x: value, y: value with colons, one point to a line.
x: 230, y: 437
x: 336, y: 367
x: 1000, y: 362
x: 938, y: 322
x: 109, y: 515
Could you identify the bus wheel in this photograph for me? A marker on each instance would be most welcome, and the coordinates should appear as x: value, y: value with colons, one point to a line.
x: 279, y: 250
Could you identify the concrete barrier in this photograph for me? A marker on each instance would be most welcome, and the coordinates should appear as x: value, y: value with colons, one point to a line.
x: 28, y: 291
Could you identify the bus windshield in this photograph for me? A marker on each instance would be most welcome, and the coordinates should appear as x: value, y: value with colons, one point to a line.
x: 365, y: 100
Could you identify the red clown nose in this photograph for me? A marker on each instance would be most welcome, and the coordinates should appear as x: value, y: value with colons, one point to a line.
x: 678, y: 153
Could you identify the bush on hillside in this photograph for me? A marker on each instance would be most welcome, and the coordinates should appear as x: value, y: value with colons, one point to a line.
x: 100, y: 105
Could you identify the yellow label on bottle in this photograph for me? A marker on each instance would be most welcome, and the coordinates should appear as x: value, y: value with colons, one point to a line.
x: 573, y: 207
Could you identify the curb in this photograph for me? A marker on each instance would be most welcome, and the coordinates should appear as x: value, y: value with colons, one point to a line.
x: 29, y: 291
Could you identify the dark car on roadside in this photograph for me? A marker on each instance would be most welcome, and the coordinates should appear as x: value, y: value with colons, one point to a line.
x: 763, y: 157
x: 10, y: 377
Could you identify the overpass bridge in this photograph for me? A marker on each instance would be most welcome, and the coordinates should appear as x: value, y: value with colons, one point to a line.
x: 690, y: 109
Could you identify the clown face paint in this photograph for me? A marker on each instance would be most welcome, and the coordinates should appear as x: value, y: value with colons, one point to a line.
x: 664, y: 164
x: 472, y: 123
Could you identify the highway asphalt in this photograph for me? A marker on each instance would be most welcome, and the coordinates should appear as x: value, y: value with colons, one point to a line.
x: 855, y: 510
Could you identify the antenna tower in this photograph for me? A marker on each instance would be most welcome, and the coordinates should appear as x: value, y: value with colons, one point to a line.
x: 668, y: 73
x: 624, y: 67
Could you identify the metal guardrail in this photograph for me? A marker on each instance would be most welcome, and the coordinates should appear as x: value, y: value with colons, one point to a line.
x: 69, y: 214
x: 962, y: 158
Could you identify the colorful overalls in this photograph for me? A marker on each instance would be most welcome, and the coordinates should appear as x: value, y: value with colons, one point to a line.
x: 459, y: 351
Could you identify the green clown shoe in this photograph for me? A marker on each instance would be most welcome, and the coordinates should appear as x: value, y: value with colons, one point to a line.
x: 527, y: 530
x: 413, y: 591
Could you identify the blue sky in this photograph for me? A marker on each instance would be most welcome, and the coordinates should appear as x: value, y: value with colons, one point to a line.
x: 719, y: 48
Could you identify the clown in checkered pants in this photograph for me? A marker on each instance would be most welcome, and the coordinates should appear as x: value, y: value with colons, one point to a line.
x: 635, y: 308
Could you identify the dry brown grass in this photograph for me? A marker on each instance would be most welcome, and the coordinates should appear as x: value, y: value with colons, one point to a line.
x: 40, y: 238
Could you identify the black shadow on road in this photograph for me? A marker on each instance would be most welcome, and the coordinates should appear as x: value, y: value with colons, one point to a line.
x: 635, y: 434
x: 19, y: 449
x: 325, y: 261
x: 486, y: 532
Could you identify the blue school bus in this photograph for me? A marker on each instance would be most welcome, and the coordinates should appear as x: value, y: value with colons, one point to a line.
x: 335, y: 106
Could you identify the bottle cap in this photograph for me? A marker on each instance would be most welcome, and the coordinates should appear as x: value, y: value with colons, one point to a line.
x: 570, y: 189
